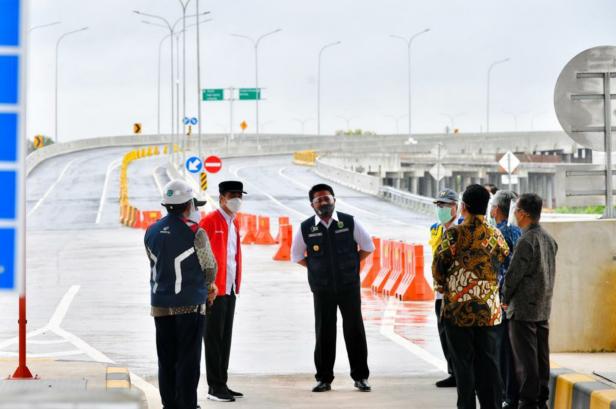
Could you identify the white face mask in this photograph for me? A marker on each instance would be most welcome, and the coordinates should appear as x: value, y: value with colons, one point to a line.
x: 195, y: 215
x: 234, y: 204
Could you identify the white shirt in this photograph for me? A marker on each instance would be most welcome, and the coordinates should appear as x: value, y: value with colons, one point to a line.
x: 360, y: 235
x: 231, y: 252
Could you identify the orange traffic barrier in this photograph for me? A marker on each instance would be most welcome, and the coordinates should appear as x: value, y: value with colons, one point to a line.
x: 282, y: 220
x: 241, y: 221
x: 263, y: 233
x: 397, y: 271
x: 286, y: 237
x: 251, y: 229
x: 414, y: 286
x: 149, y: 218
x: 386, y: 267
x: 372, y: 265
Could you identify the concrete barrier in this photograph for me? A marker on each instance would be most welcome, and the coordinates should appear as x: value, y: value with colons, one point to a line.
x: 571, y: 390
x: 358, y: 181
x: 584, y: 304
x: 408, y: 200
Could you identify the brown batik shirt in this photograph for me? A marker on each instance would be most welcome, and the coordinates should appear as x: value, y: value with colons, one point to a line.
x: 465, y: 269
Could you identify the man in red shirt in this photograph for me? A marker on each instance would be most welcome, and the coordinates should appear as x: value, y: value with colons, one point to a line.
x: 223, y: 230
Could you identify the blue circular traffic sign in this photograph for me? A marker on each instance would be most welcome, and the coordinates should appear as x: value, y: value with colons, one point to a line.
x: 194, y: 121
x: 194, y: 164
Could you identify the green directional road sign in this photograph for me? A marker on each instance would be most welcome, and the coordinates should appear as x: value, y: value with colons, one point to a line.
x: 247, y: 94
x: 215, y: 94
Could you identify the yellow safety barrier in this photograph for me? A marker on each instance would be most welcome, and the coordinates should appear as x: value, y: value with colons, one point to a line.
x: 571, y: 390
x: 305, y: 158
x: 131, y: 216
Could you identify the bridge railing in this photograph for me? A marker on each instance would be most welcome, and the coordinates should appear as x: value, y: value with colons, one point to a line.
x: 407, y: 200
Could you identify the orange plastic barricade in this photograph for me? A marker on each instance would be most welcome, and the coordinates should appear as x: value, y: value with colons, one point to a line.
x: 386, y: 267
x: 414, y: 286
x: 372, y: 265
x: 263, y: 233
x: 251, y: 230
x: 286, y: 237
x: 150, y: 217
x: 397, y: 271
x: 241, y: 220
x: 282, y: 220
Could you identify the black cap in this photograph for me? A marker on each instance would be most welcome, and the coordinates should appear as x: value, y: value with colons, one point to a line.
x: 233, y: 186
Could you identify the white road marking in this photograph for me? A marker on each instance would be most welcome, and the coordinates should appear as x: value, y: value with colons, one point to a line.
x: 236, y: 171
x: 57, y: 354
x: 156, y: 179
x: 51, y: 188
x: 112, y: 166
x: 387, y: 330
x: 151, y: 393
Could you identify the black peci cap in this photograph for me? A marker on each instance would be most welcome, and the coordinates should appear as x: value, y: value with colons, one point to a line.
x: 231, y: 186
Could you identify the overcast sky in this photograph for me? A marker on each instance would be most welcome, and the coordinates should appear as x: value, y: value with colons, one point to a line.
x: 108, y: 74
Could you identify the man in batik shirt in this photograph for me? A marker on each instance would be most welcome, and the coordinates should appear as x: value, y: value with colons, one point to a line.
x: 465, y: 269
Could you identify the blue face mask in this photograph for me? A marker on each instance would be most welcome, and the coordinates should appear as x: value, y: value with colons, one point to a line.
x: 443, y: 214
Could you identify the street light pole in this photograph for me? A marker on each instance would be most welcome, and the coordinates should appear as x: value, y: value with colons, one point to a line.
x: 62, y: 37
x: 409, y: 43
x: 255, y: 44
x: 172, y: 30
x: 347, y: 120
x: 319, y: 84
x: 302, y: 122
x: 488, y: 91
x: 397, y: 121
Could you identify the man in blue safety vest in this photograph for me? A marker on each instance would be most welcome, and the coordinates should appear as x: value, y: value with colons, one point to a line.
x: 331, y: 245
x: 183, y: 269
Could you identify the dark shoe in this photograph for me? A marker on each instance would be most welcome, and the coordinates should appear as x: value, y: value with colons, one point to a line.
x: 510, y: 405
x: 449, y: 382
x: 220, y: 396
x: 363, y: 385
x: 322, y: 387
x: 235, y: 394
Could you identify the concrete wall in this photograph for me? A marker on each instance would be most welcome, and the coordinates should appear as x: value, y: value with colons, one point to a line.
x: 584, y: 305
x: 358, y: 181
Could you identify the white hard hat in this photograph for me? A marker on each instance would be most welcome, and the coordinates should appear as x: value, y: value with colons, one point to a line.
x: 177, y: 192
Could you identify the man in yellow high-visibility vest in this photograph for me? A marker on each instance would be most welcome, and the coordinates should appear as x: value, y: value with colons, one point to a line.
x: 446, y: 206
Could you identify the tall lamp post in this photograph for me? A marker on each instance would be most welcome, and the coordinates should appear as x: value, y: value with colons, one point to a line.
x: 495, y: 63
x: 172, y: 30
x: 60, y: 39
x: 302, y: 122
x: 326, y: 46
x: 397, y: 120
x: 409, y: 43
x: 255, y: 44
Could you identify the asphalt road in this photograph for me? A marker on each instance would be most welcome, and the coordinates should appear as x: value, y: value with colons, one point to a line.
x: 88, y: 289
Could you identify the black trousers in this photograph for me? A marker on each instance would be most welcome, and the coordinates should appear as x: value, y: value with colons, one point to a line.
x: 326, y: 313
x: 217, y: 341
x: 178, y: 343
x: 438, y: 304
x: 475, y: 364
x: 529, y: 341
x: 507, y: 364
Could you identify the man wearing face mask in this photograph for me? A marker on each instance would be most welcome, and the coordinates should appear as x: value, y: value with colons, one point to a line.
x: 183, y: 269
x: 446, y: 205
x: 465, y: 270
x: 223, y: 230
x: 501, y: 206
x: 331, y: 245
x: 527, y: 298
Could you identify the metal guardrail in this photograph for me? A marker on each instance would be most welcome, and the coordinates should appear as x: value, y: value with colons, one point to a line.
x: 407, y: 200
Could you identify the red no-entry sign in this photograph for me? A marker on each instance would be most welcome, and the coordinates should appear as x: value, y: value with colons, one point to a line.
x: 213, y: 164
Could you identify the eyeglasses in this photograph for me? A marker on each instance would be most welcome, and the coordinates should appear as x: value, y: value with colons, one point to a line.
x: 323, y: 199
